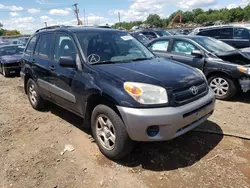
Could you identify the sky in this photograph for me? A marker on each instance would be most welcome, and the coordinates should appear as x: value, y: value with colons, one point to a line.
x: 30, y: 15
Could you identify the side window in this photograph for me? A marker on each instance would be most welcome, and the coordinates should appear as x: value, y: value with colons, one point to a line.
x: 31, y: 45
x: 183, y: 47
x: 64, y: 46
x: 45, y: 45
x: 225, y: 33
x: 159, y: 46
x: 152, y: 35
x: 241, y: 33
x: 208, y: 33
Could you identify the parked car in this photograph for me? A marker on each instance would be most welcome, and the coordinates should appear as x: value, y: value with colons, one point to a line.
x: 116, y: 84
x: 23, y: 40
x: 226, y: 68
x: 237, y: 36
x: 155, y: 33
x: 139, y: 36
x: 10, y: 57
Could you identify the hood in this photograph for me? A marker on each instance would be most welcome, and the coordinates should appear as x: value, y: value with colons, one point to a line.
x: 238, y: 56
x: 155, y: 71
x: 11, y: 58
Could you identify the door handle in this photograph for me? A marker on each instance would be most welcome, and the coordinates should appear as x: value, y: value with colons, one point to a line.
x: 52, y: 68
x: 171, y: 57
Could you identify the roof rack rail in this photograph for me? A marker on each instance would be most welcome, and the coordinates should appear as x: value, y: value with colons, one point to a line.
x: 52, y: 27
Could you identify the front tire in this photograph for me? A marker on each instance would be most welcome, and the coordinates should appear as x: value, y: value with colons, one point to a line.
x: 34, y: 97
x: 110, y: 133
x: 223, y: 87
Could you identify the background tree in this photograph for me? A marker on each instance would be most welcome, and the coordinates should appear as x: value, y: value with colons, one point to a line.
x: 154, y: 19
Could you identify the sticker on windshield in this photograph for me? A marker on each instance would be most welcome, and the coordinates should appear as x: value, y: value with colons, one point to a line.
x: 127, y: 37
x: 93, y: 58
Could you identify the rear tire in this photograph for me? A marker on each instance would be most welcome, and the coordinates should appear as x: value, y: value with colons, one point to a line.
x: 224, y: 87
x: 34, y: 97
x: 110, y: 133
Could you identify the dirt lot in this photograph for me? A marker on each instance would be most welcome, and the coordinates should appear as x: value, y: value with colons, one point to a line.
x: 31, y: 143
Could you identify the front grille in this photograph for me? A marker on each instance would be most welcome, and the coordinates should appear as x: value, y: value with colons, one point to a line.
x: 14, y: 64
x: 184, y: 96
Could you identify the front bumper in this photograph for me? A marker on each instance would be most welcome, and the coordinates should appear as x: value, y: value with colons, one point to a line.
x: 245, y: 84
x: 12, y: 69
x: 172, y: 121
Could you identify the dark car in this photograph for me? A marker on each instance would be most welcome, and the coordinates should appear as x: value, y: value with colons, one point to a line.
x: 120, y: 89
x: 155, y: 33
x: 237, y: 36
x: 139, y: 36
x: 226, y: 68
x: 10, y: 57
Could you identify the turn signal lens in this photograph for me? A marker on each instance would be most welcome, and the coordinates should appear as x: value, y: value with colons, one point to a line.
x: 146, y: 93
x: 133, y: 89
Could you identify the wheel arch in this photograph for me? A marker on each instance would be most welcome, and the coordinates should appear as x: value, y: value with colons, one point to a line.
x: 95, y: 99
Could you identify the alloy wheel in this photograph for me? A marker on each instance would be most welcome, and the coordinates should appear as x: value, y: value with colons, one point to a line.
x: 105, y: 132
x: 220, y: 86
x: 32, y: 94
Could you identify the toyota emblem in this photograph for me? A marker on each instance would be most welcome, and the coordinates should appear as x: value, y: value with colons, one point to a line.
x: 194, y: 90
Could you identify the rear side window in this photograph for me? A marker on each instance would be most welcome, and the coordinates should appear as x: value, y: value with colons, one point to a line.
x: 159, y: 46
x: 45, y: 45
x: 31, y: 45
x: 241, y: 33
x: 223, y: 33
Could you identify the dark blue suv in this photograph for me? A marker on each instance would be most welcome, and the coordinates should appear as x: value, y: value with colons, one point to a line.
x: 120, y: 89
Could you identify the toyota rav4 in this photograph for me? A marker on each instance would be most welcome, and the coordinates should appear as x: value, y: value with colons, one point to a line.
x: 120, y: 89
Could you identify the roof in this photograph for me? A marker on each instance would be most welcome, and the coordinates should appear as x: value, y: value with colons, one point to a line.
x: 183, y: 37
x: 225, y: 26
x: 76, y: 29
x: 10, y: 45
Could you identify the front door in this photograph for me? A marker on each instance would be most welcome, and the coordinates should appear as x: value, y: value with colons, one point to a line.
x: 61, y: 78
x: 181, y: 50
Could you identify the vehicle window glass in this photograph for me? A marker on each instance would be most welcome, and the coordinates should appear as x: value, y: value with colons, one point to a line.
x: 37, y: 46
x: 241, y: 33
x: 152, y: 35
x: 183, y: 47
x: 64, y: 46
x: 11, y: 50
x: 31, y: 45
x: 107, y: 46
x: 159, y: 46
x: 213, y: 45
x: 223, y: 33
x: 45, y: 45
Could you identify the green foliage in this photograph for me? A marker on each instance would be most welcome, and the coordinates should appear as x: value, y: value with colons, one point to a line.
x: 5, y: 32
x: 155, y: 20
x: 196, y: 16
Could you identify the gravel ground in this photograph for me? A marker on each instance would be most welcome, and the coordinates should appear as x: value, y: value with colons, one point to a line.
x: 31, y: 143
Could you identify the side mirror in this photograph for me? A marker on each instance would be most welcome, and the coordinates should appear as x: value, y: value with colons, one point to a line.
x: 197, y: 53
x: 67, y: 61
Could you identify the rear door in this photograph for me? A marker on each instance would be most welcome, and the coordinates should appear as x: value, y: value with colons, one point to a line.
x: 181, y: 51
x: 40, y: 59
x: 61, y: 78
x: 241, y: 37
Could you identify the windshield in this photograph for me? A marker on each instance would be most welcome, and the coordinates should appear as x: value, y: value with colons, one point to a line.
x: 107, y: 46
x: 162, y: 33
x: 11, y: 50
x: 213, y: 45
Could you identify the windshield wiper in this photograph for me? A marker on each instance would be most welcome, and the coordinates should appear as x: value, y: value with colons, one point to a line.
x: 141, y: 59
x: 103, y: 62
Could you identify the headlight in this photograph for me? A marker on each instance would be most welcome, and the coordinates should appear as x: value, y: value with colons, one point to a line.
x: 202, y: 74
x: 244, y: 70
x: 146, y: 93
